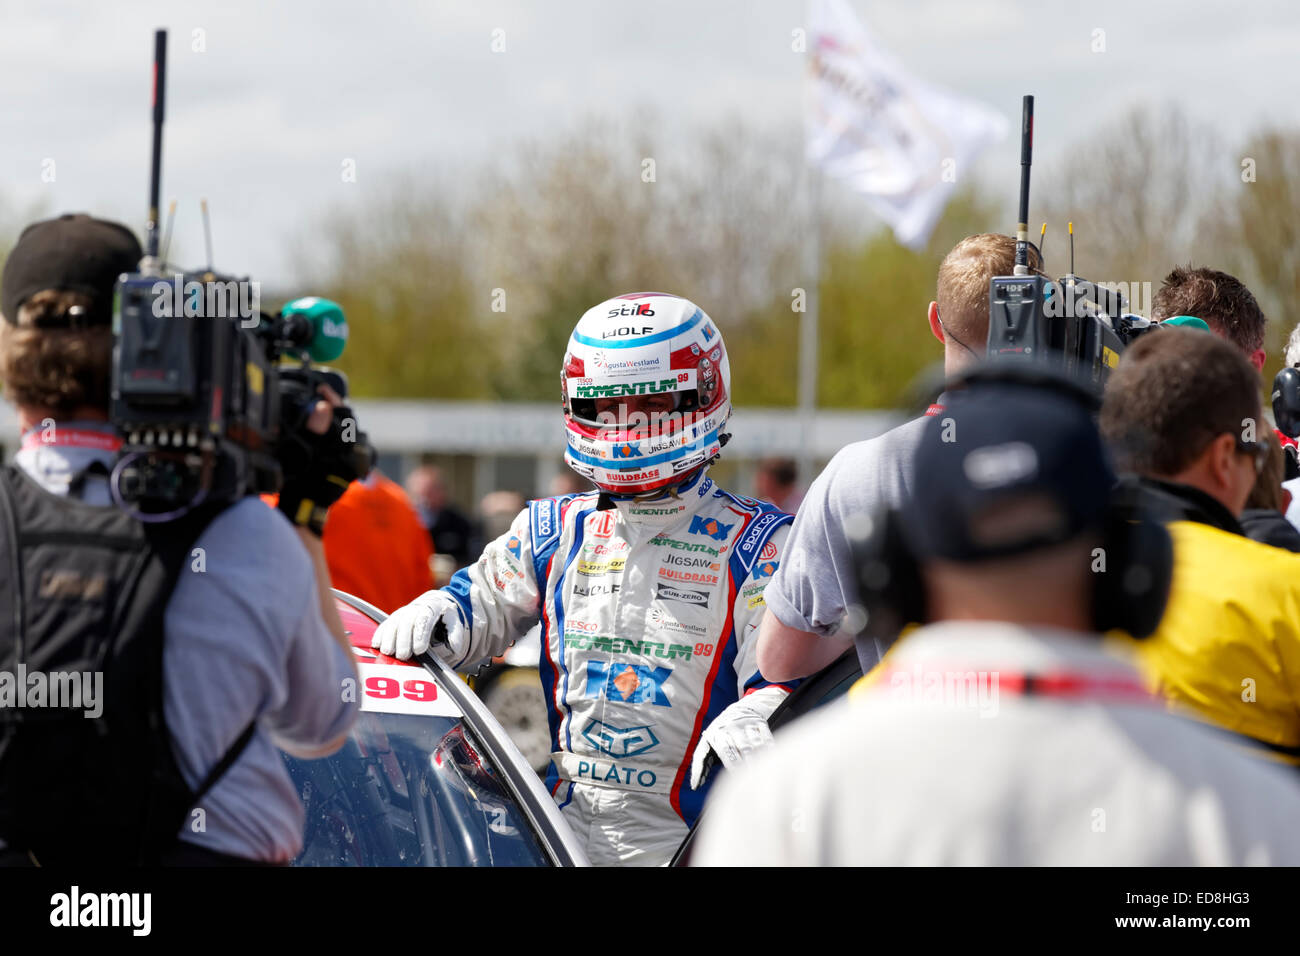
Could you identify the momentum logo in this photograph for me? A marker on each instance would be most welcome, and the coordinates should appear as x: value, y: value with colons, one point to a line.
x: 620, y: 389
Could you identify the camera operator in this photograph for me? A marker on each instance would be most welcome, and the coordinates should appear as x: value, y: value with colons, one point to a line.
x: 215, y: 635
x: 1182, y: 415
x: 806, y: 601
x: 1220, y: 300
x: 995, y: 548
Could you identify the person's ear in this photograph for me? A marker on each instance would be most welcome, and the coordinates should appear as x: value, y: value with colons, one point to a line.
x: 1221, y: 457
x: 935, y: 326
x: 1257, y: 359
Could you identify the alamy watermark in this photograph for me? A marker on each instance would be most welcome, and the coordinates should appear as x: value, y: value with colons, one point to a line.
x: 73, y: 690
x: 959, y: 690
x: 216, y: 299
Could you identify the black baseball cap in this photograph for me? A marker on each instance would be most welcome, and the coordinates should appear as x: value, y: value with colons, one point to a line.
x: 73, y: 253
x: 1007, y: 467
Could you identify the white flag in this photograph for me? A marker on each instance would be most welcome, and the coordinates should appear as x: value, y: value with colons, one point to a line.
x: 887, y: 134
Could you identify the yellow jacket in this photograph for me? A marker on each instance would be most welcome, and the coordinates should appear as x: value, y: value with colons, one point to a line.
x: 1228, y: 646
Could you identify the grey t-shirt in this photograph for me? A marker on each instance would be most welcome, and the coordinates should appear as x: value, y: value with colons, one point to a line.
x: 243, y: 637
x: 816, y: 580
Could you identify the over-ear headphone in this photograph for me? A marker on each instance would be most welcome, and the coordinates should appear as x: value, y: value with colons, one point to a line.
x: 1131, y: 576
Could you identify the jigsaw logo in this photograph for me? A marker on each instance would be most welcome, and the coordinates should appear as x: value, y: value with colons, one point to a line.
x: 628, y: 683
x: 620, y: 741
x: 712, y: 527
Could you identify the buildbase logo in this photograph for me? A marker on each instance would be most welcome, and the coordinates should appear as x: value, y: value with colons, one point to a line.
x: 72, y: 690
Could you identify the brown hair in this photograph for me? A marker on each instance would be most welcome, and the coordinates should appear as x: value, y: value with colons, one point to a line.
x: 56, y: 369
x: 1175, y: 391
x: 963, y: 285
x: 1220, y: 300
x: 1267, y: 492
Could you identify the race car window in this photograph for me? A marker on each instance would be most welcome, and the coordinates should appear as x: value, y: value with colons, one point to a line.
x: 411, y: 790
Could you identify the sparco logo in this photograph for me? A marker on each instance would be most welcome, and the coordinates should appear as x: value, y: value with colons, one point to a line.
x: 761, y: 525
x: 543, y: 522
x: 684, y: 595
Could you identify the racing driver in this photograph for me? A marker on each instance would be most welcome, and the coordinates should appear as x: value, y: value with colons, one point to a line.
x: 649, y: 589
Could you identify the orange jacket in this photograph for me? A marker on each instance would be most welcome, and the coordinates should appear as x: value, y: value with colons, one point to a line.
x: 375, y: 545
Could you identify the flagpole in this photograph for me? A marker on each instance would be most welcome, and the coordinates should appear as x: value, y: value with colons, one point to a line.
x: 808, y: 324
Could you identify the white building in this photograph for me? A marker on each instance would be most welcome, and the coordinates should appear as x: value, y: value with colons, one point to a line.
x: 488, y: 446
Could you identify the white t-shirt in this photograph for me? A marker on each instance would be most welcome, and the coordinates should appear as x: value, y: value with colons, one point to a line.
x: 958, y: 768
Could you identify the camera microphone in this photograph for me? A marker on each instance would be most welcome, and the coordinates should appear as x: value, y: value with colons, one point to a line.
x: 315, y: 325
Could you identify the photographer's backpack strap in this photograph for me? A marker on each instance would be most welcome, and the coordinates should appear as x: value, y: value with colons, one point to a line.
x: 87, y: 774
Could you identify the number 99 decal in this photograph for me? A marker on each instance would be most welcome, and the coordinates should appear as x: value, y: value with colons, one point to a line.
x: 386, y: 688
x: 402, y: 689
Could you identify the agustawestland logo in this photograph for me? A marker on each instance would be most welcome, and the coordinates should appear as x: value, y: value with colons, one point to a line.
x: 628, y: 683
x: 712, y: 527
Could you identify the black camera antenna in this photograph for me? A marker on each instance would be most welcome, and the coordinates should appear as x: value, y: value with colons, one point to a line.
x: 155, y: 172
x: 1071, y: 228
x: 1026, y: 160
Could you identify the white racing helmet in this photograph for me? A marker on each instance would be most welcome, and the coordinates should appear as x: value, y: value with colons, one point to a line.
x: 647, y: 348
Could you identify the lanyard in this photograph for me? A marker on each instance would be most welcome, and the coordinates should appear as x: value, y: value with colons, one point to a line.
x: 71, y: 438
x: 1064, y: 684
x: 935, y: 409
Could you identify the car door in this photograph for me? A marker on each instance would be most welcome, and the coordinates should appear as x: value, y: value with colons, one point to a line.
x: 426, y: 778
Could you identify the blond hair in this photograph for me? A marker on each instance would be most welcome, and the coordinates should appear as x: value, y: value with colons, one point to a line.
x: 963, y: 285
x: 59, y: 370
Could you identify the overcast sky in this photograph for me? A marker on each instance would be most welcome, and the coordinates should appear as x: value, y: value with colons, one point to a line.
x: 262, y: 120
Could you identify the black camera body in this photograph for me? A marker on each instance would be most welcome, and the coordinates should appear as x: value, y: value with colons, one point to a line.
x: 207, y: 410
x: 194, y: 396
x: 1072, y: 324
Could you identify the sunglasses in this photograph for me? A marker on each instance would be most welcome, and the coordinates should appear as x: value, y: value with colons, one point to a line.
x: 1259, y: 450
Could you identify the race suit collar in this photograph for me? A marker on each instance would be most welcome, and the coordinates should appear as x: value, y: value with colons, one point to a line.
x: 666, y: 510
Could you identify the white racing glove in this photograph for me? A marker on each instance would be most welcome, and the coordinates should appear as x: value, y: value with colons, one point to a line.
x: 739, y: 730
x: 409, y: 631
